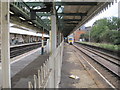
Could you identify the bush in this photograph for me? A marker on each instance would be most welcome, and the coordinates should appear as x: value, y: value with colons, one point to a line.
x: 103, y: 45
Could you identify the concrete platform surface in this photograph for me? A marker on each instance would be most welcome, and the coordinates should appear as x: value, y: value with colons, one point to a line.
x: 72, y: 66
x: 23, y: 70
x: 21, y: 61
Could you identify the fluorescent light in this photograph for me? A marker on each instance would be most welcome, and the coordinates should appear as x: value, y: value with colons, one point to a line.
x: 29, y: 22
x: 22, y: 18
x: 49, y: 18
x: 11, y: 12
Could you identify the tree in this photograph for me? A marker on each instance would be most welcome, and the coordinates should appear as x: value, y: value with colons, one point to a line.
x: 114, y: 23
x: 84, y: 36
x: 100, y: 26
x: 106, y: 30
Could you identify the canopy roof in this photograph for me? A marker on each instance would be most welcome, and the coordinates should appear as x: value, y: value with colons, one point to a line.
x: 70, y: 15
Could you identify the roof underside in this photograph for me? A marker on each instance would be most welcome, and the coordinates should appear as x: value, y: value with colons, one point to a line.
x: 70, y: 15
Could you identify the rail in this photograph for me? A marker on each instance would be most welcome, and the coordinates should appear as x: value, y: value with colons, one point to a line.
x: 106, y: 63
x: 108, y: 51
x: 50, y: 72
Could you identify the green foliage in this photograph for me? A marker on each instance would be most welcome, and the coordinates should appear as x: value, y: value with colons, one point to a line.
x: 106, y: 31
x: 114, y: 23
x: 104, y: 45
x: 84, y: 36
x: 98, y: 29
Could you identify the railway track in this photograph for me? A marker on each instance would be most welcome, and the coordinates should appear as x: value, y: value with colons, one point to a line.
x: 110, y: 63
x: 106, y: 56
x: 18, y: 50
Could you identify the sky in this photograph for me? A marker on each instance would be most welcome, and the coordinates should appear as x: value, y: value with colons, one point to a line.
x: 111, y: 11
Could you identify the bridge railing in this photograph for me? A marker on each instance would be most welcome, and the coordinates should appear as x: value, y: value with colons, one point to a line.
x: 50, y: 72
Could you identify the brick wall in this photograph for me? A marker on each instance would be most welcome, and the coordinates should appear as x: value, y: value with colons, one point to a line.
x: 77, y: 34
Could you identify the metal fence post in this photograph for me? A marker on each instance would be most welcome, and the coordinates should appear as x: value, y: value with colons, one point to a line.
x: 35, y: 82
x: 41, y: 68
x: 39, y: 83
x: 30, y: 86
x: 44, y: 71
x: 49, y: 74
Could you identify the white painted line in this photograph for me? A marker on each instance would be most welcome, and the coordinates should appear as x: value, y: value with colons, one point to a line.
x: 25, y: 55
x: 15, y: 59
x: 98, y: 72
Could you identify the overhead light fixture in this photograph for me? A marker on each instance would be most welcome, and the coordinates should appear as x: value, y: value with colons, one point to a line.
x: 29, y: 22
x: 35, y: 25
x: 22, y: 18
x: 49, y: 18
x: 11, y: 12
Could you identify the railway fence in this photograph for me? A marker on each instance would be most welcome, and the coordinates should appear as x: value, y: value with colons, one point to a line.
x: 50, y: 72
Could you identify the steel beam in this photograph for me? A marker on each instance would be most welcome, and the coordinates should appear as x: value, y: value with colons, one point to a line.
x: 45, y: 20
x: 72, y: 14
x: 5, y: 45
x: 76, y: 3
x: 0, y: 41
x: 63, y: 23
x: 62, y: 3
x: 63, y: 14
x: 71, y: 23
x: 58, y: 8
x: 33, y: 4
x: 68, y: 20
x: 43, y: 14
x: 26, y: 14
x: 119, y: 9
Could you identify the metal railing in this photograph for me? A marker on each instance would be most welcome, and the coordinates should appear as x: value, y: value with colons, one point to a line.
x: 50, y: 72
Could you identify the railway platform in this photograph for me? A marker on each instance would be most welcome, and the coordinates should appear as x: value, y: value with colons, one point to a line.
x: 75, y: 65
x: 49, y: 23
x: 24, y: 66
x: 20, y: 79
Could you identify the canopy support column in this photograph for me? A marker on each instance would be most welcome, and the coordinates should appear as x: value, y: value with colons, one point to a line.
x: 53, y: 38
x: 59, y: 37
x: 119, y: 9
x: 50, y: 42
x: 5, y: 45
x: 53, y: 33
